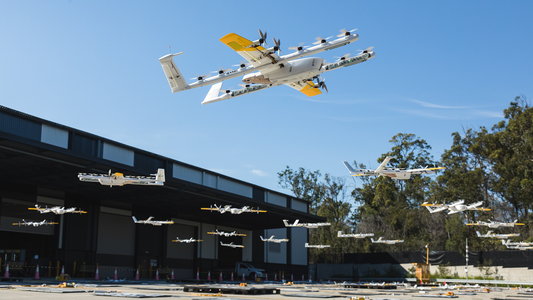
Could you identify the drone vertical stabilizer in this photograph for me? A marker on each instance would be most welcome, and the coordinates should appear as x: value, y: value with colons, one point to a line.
x: 383, y: 164
x: 349, y: 167
x: 173, y: 74
x: 160, y: 176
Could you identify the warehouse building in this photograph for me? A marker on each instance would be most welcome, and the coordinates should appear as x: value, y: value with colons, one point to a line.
x: 39, y: 164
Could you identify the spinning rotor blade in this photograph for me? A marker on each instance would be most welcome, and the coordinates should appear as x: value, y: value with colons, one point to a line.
x: 345, y: 56
x: 200, y: 77
x: 366, y: 50
x: 299, y: 48
x: 243, y: 64
x: 221, y: 71
x: 320, y: 40
x: 263, y: 38
x: 345, y: 32
x: 277, y: 46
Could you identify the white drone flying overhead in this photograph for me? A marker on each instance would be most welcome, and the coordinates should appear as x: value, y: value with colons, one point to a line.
x: 191, y: 240
x: 34, y: 224
x: 392, y: 173
x: 149, y: 221
x: 495, y: 224
x: 388, y: 242
x: 489, y: 234
x: 58, y: 210
x: 118, y: 179
x: 226, y: 234
x: 510, y: 244
x: 269, y: 68
x: 273, y: 240
x: 231, y: 245
x: 234, y: 211
x: 454, y: 207
x: 316, y: 246
x: 354, y: 235
x: 306, y: 225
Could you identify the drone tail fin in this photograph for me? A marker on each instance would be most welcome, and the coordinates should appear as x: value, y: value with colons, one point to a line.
x: 173, y: 74
x: 134, y: 219
x: 349, y: 167
x: 383, y: 164
x: 160, y: 176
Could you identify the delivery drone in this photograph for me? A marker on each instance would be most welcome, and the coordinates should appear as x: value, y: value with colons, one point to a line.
x: 316, y: 246
x: 268, y: 67
x: 454, y: 207
x: 226, y: 234
x: 306, y: 225
x: 231, y: 245
x: 191, y: 240
x: 152, y: 222
x: 273, y: 240
x: 118, y: 179
x: 388, y: 242
x: 354, y: 235
x: 495, y: 224
x: 489, y: 234
x: 34, y: 224
x: 58, y: 210
x: 394, y: 173
x: 233, y: 211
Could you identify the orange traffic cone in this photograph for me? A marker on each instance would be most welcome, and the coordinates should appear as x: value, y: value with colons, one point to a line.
x: 96, y: 274
x: 198, y: 274
x: 292, y: 278
x: 172, y: 275
x: 275, y: 276
x: 208, y: 275
x: 243, y: 279
x: 115, y: 277
x: 6, y: 274
x: 157, y: 274
x: 231, y: 276
x: 62, y: 270
x: 266, y: 276
x: 220, y: 277
x: 37, y: 273
x: 137, y: 274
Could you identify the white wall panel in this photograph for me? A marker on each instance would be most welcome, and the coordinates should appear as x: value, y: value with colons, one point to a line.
x: 54, y: 136
x: 234, y: 187
x: 187, y: 174
x: 210, y: 180
x: 276, y: 199
x: 118, y: 154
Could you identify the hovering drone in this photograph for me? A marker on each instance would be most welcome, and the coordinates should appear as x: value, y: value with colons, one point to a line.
x: 454, y: 207
x: 226, y: 234
x: 388, y: 242
x: 495, y: 224
x: 306, y: 225
x: 268, y: 67
x: 34, y: 224
x: 58, y: 210
x: 188, y: 241
x: 354, y: 235
x: 394, y: 173
x: 150, y: 221
x: 118, y: 179
x: 234, y: 211
x: 273, y: 240
x: 231, y: 245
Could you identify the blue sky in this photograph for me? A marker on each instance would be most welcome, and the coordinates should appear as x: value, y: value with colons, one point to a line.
x: 439, y: 66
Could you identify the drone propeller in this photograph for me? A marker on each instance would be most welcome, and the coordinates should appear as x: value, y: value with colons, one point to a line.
x: 277, y: 45
x: 346, y: 32
x: 320, y: 40
x: 221, y: 71
x: 366, y: 50
x: 242, y: 65
x: 345, y: 56
x: 109, y: 174
x: 200, y: 77
x: 300, y: 47
x: 244, y: 85
x: 263, y: 38
x: 321, y: 83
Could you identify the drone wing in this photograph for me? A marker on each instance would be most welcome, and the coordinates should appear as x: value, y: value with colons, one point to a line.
x: 252, y: 52
x: 308, y: 88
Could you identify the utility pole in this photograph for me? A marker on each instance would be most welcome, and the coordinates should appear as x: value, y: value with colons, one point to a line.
x: 466, y: 267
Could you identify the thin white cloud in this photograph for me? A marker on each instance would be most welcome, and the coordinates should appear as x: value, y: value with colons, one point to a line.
x: 431, y: 105
x: 491, y: 114
x: 259, y: 173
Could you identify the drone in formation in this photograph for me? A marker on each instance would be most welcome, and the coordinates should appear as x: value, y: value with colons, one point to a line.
x: 354, y: 235
x: 34, y: 224
x: 118, y: 179
x: 306, y: 225
x: 395, y: 173
x: 495, y: 224
x: 316, y: 246
x: 231, y: 245
x: 58, y: 210
x: 152, y: 222
x: 188, y: 241
x: 489, y: 234
x: 454, y: 207
x: 273, y: 240
x: 226, y: 234
x: 388, y: 242
x: 265, y: 68
x: 234, y: 211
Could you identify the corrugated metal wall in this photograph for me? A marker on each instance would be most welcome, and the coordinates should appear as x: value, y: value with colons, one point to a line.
x: 54, y: 136
x: 118, y: 154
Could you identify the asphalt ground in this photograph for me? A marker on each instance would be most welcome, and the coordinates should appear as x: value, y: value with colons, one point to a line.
x: 160, y: 290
